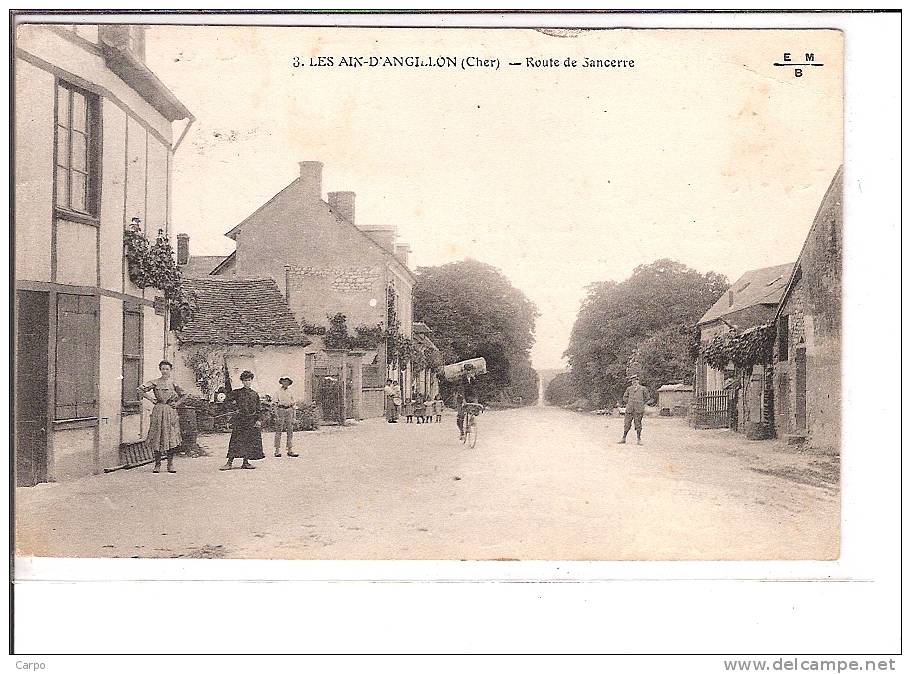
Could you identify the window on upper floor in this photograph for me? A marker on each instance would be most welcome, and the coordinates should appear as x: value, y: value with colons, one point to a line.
x: 78, y: 152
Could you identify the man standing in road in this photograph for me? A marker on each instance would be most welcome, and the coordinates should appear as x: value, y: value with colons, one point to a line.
x: 634, y: 398
x: 284, y: 416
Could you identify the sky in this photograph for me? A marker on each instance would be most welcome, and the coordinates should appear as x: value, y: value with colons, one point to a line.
x: 703, y: 151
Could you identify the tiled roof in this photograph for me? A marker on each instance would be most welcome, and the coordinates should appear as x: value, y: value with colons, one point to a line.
x: 758, y: 286
x: 250, y: 311
x: 199, y: 266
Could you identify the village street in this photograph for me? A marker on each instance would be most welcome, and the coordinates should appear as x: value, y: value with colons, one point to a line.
x: 542, y: 483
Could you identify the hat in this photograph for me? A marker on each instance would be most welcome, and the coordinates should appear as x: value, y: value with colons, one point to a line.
x: 633, y: 376
x: 246, y: 374
x: 285, y: 379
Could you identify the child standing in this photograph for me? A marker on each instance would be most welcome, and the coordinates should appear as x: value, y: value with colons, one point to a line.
x: 408, y: 411
x: 438, y: 407
x: 420, y: 408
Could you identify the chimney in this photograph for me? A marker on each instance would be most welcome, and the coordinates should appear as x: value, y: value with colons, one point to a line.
x: 401, y: 252
x: 384, y: 235
x: 342, y: 203
x: 183, y: 249
x: 730, y: 298
x: 312, y: 178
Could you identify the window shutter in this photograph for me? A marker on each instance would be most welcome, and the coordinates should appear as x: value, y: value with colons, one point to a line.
x: 77, y: 357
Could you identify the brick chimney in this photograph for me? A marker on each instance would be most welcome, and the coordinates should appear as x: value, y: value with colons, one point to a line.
x: 384, y: 235
x: 342, y: 203
x: 312, y: 178
x: 183, y: 249
x: 401, y: 252
x: 730, y: 298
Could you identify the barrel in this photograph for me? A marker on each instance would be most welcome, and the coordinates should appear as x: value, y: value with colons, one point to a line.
x: 454, y: 371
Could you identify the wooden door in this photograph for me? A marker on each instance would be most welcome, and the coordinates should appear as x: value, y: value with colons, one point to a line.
x: 31, y: 387
x: 800, y: 389
x: 784, y: 399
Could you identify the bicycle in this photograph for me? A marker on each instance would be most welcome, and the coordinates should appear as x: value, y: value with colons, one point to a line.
x: 470, y: 424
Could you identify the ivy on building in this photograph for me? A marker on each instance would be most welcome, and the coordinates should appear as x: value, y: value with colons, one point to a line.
x: 153, y: 265
x: 744, y: 350
x: 209, y: 369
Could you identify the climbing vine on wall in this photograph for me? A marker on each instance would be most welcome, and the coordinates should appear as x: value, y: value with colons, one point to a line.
x: 744, y: 350
x: 152, y: 265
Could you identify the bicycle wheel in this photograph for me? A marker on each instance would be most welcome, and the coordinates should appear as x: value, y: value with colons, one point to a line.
x: 472, y: 432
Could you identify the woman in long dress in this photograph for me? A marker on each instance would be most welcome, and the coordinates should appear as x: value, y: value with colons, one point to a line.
x: 246, y: 435
x: 164, y: 425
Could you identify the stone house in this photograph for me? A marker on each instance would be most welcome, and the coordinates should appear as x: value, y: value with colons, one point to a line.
x: 751, y: 301
x: 807, y: 350
x: 94, y: 145
x: 324, y: 263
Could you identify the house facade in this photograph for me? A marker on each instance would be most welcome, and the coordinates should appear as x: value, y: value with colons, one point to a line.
x: 751, y: 301
x: 324, y: 263
x: 807, y: 350
x: 94, y: 138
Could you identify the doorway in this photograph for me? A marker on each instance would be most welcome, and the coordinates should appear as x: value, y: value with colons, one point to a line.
x: 31, y: 378
x: 800, y: 388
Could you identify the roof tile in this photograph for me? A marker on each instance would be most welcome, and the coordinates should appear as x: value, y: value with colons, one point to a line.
x: 248, y: 311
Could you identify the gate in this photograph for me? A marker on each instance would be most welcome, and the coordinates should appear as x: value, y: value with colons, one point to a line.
x: 372, y: 395
x: 327, y: 393
x: 711, y: 409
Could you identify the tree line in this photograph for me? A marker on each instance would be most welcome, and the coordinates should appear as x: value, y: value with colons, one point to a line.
x: 474, y: 311
x: 643, y: 325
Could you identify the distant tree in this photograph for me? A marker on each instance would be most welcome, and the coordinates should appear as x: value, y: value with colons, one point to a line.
x: 647, y: 320
x: 561, y: 391
x: 474, y: 310
x: 665, y: 357
x: 523, y: 384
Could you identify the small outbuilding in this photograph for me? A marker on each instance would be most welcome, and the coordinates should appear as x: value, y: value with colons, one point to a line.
x: 675, y: 399
x: 241, y: 325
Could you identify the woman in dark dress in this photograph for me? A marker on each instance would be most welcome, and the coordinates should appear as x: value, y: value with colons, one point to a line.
x: 246, y: 436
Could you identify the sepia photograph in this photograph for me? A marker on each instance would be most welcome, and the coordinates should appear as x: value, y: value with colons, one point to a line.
x: 454, y: 331
x: 388, y: 293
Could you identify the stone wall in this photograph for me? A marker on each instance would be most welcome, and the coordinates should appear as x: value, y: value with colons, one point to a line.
x: 812, y: 311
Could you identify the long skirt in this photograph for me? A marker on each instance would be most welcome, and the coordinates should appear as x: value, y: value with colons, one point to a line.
x: 246, y: 443
x: 164, y: 429
x: 392, y: 410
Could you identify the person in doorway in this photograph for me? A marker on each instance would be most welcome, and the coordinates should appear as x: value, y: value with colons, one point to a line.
x: 246, y: 435
x: 285, y: 407
x: 164, y: 425
x: 634, y: 398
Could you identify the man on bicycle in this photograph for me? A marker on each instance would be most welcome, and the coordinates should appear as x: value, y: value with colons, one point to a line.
x: 465, y: 392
